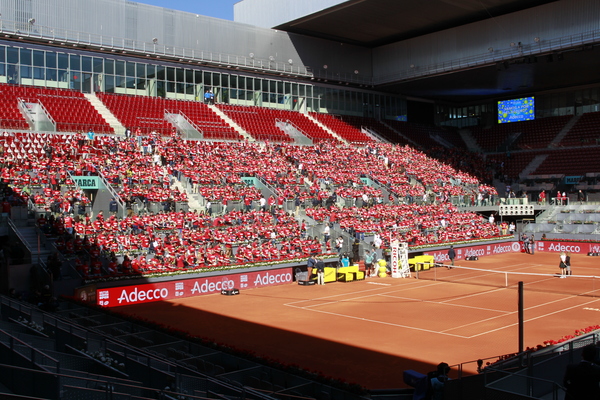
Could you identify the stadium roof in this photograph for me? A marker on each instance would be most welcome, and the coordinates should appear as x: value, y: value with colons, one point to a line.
x: 523, y: 76
x: 373, y: 23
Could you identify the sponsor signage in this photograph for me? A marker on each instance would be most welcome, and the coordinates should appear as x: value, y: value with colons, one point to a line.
x: 249, y: 181
x: 395, y: 249
x: 149, y: 292
x: 477, y: 251
x: 567, y: 247
x: 87, y: 182
x: 572, y: 180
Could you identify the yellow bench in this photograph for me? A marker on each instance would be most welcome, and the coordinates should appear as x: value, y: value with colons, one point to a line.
x: 330, y: 274
x: 350, y: 273
x: 421, y: 262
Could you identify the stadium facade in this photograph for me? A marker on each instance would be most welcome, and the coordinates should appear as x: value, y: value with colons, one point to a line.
x: 437, y: 62
x: 125, y: 47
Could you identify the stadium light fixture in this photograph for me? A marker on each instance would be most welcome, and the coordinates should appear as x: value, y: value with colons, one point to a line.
x: 154, y: 40
x: 536, y: 39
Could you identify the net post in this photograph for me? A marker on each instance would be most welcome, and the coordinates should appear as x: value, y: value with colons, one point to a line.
x: 520, y: 306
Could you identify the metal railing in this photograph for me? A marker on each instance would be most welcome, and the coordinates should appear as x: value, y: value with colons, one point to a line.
x: 292, y: 130
x: 109, y: 43
x: 543, y: 46
x: 518, y: 384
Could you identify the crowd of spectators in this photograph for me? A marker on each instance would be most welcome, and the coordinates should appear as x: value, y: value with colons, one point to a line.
x: 38, y: 167
x: 416, y: 224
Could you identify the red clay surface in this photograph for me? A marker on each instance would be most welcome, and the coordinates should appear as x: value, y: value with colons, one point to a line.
x: 368, y: 332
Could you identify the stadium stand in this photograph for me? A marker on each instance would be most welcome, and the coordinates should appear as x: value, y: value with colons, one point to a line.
x: 114, y: 170
x: 344, y: 129
x: 69, y: 109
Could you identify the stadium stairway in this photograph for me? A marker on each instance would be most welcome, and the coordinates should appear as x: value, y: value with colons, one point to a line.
x: 105, y: 113
x: 565, y: 130
x: 325, y: 128
x: 231, y: 122
x: 469, y: 140
x: 26, y: 230
x: 409, y: 140
x: 193, y: 198
x: 533, y: 165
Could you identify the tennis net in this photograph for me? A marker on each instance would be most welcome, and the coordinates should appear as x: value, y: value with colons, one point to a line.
x: 577, y: 285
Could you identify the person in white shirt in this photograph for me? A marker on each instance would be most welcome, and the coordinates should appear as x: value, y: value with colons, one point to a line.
x: 339, y: 243
x: 263, y: 203
x: 377, y: 241
x: 326, y: 233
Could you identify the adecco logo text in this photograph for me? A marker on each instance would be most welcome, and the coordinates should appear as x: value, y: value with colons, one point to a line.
x: 135, y: 295
x: 270, y: 279
x: 563, y: 247
x: 474, y: 252
x: 212, y: 287
x: 507, y: 248
x: 440, y: 257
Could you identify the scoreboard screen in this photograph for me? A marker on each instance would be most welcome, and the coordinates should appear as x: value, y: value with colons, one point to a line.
x: 514, y: 110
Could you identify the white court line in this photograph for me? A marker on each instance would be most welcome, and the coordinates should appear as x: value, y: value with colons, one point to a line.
x: 445, y: 304
x: 292, y: 304
x: 340, y: 301
x: 472, y: 295
x: 444, y: 332
x: 531, y: 308
x: 386, y: 323
x: 538, y: 317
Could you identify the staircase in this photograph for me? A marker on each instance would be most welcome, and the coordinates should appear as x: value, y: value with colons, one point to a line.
x: 563, y: 132
x: 106, y: 113
x: 231, y: 122
x: 184, y: 125
x: 325, y: 128
x: 370, y: 132
x: 194, y: 202
x: 470, y: 141
x: 408, y: 140
x: 294, y: 132
x: 37, y: 116
x: 534, y: 164
x: 39, y: 247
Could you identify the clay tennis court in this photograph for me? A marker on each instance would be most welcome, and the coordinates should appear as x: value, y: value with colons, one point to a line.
x: 369, y: 331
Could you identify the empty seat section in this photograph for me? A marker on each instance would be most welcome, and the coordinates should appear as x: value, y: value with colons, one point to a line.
x: 138, y: 112
x: 572, y: 162
x: 342, y: 128
x: 259, y: 122
x: 585, y: 132
x: 148, y: 115
x: 68, y: 108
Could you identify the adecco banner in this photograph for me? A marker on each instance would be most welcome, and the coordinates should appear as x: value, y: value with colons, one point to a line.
x: 145, y: 293
x: 568, y: 247
x: 478, y: 251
